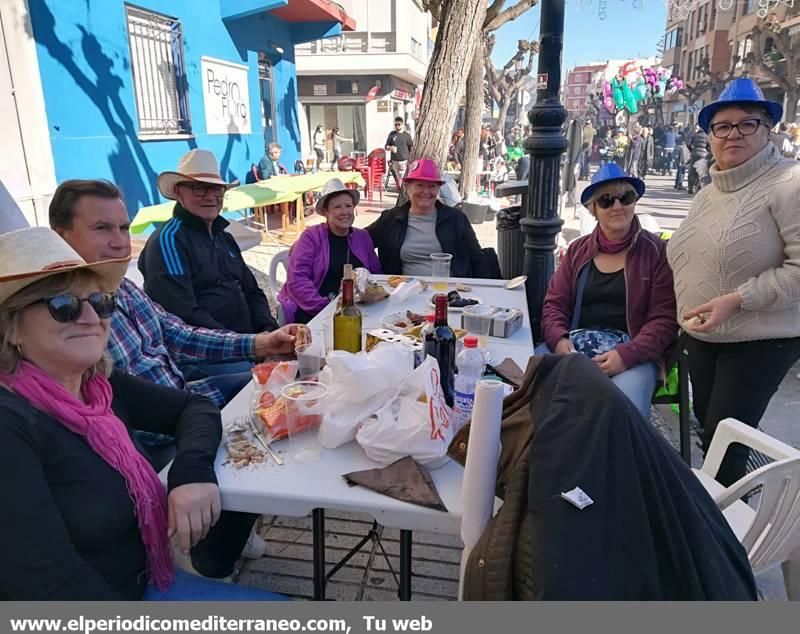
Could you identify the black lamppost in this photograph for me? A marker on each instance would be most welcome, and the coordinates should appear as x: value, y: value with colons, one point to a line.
x: 542, y: 224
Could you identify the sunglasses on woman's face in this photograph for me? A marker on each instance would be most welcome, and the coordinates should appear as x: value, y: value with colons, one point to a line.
x: 67, y: 307
x: 606, y: 201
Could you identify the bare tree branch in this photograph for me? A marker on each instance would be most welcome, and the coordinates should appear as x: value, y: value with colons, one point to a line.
x: 511, y: 13
x: 756, y: 55
x: 492, y: 11
x: 434, y: 7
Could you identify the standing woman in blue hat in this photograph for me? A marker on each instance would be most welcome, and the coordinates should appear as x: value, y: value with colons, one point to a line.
x: 736, y: 261
x: 612, y: 296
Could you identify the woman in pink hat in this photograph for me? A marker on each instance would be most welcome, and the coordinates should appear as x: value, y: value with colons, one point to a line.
x: 405, y: 236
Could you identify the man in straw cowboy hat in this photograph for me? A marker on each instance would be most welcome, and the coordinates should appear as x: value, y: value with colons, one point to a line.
x: 146, y: 340
x: 191, y: 265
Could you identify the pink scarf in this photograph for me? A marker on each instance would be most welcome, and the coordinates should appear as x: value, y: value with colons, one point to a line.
x: 615, y: 246
x: 108, y: 437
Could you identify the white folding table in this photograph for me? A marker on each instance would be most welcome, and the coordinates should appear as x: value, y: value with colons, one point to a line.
x: 297, y: 489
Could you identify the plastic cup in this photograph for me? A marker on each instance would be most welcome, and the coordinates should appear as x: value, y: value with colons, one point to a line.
x: 478, y: 321
x: 440, y: 271
x: 327, y: 333
x: 309, y: 360
x: 305, y: 409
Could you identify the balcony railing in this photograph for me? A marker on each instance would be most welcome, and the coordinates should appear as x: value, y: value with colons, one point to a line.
x: 350, y: 42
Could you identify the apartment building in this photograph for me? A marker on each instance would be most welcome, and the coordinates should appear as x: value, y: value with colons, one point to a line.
x: 721, y: 33
x: 360, y: 81
x: 581, y: 82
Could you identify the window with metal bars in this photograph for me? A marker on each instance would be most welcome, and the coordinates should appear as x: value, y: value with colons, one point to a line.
x: 159, y: 72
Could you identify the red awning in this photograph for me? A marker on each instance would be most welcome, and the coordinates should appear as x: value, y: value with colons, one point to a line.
x: 315, y: 11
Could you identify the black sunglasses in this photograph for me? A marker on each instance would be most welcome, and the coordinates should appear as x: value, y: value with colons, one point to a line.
x: 67, y: 307
x: 606, y: 201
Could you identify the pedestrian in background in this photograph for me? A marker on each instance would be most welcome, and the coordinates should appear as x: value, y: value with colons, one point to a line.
x: 318, y: 143
x: 399, y: 143
x: 634, y: 151
x: 337, y: 140
x: 648, y: 152
x: 736, y: 261
x: 682, y: 156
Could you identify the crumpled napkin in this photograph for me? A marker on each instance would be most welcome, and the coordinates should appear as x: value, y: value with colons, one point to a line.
x: 403, y: 480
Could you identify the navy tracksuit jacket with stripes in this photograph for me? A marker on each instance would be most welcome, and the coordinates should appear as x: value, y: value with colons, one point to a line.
x: 201, y: 277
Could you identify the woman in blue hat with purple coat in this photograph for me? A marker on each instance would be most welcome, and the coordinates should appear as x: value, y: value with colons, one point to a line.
x: 736, y: 260
x: 612, y: 296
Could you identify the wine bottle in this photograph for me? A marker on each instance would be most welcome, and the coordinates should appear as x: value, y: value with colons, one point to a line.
x: 440, y: 343
x: 347, y: 319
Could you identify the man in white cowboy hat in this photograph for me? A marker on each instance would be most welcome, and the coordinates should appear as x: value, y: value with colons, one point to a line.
x: 146, y: 340
x: 191, y: 265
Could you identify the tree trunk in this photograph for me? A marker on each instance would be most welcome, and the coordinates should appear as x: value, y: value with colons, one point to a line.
x: 456, y: 41
x: 472, y: 124
x: 501, y: 116
x: 791, y: 104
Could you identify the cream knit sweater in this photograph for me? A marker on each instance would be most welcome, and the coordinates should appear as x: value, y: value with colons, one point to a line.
x: 743, y: 234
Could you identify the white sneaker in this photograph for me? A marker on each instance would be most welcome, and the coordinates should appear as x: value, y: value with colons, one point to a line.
x: 255, y: 548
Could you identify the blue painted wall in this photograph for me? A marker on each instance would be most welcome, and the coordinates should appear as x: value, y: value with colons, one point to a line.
x: 84, y: 62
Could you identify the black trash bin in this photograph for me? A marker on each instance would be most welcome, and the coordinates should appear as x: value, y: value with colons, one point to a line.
x: 510, y: 242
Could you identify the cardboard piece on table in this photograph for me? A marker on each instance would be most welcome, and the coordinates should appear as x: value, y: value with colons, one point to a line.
x: 403, y: 480
x: 509, y: 371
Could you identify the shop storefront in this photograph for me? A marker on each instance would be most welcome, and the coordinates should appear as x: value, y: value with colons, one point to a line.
x: 362, y: 107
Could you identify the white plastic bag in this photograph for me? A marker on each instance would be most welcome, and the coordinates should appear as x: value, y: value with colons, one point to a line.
x: 448, y: 192
x: 358, y: 386
x: 407, y: 426
x: 406, y: 290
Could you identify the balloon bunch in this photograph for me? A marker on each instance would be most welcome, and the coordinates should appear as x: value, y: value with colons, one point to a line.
x: 635, y: 85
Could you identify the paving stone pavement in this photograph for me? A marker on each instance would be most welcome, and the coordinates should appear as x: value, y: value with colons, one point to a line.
x: 287, y: 566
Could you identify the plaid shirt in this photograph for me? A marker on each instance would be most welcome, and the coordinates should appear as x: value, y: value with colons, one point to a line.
x: 149, y: 342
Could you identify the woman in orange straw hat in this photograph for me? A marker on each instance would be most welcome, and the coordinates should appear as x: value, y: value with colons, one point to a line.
x: 91, y: 519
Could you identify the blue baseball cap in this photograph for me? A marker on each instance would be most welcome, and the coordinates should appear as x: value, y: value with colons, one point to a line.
x: 609, y: 173
x: 742, y: 91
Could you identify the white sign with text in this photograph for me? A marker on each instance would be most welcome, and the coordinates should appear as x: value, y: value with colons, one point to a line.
x: 225, y: 96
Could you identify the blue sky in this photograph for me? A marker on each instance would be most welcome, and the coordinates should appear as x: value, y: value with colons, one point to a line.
x: 624, y: 33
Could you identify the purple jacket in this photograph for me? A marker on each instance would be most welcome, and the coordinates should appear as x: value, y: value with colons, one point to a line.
x: 650, y: 297
x: 308, y: 263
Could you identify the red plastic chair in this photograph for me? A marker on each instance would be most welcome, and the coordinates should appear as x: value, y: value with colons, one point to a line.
x: 346, y: 164
x: 376, y: 161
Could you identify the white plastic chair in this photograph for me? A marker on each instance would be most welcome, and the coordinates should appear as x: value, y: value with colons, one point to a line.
x: 770, y: 532
x: 279, y: 259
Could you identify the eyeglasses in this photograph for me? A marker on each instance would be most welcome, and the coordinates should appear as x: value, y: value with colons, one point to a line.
x: 202, y: 189
x: 747, y: 127
x: 67, y: 307
x: 606, y: 201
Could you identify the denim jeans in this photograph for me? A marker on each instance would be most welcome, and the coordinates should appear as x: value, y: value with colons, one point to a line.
x: 637, y: 383
x: 680, y: 169
x: 228, y: 378
x: 188, y: 587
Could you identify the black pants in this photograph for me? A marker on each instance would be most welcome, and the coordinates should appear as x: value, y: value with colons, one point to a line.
x: 216, y: 555
x: 736, y: 380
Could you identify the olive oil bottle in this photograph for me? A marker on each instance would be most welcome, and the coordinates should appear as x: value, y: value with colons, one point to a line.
x: 347, y: 319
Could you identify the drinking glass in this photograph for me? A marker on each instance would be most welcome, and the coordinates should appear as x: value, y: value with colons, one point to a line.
x: 309, y: 360
x: 305, y: 409
x: 440, y: 271
x: 478, y: 321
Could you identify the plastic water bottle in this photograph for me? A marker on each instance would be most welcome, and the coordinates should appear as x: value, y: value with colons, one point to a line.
x: 470, y: 366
